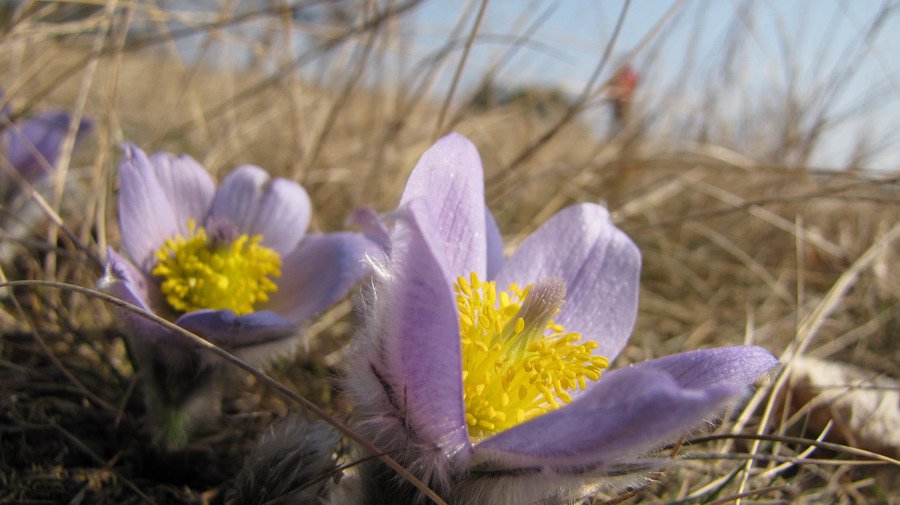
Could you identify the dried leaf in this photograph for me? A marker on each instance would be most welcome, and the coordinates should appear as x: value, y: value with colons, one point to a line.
x: 864, y: 405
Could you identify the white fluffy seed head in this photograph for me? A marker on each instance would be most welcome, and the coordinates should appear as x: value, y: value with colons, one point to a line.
x: 294, y: 463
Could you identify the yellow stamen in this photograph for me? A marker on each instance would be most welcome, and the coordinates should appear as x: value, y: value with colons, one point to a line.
x: 200, y: 273
x: 518, y: 363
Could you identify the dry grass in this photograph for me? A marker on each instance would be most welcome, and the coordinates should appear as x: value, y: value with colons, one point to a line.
x: 737, y: 248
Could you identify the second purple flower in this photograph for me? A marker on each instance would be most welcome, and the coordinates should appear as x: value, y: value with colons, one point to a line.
x: 233, y: 264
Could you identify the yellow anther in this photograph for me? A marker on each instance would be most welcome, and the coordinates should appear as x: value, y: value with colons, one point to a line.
x: 517, y: 362
x: 464, y: 286
x: 200, y: 273
x: 523, y: 392
x: 520, y: 325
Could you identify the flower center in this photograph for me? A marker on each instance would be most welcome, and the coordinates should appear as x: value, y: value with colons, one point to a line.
x: 227, y: 271
x: 518, y: 363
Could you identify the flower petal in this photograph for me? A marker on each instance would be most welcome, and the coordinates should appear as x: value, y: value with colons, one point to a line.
x: 128, y: 283
x: 187, y: 184
x: 235, y: 333
x: 600, y: 266
x: 420, y: 333
x: 120, y: 270
x: 450, y: 179
x: 372, y: 226
x: 277, y: 209
x: 737, y: 366
x: 494, y: 245
x: 627, y: 414
x: 156, y: 200
x: 319, y: 272
x: 34, y: 145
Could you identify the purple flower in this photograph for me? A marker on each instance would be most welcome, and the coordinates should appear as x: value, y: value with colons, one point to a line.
x: 30, y: 152
x: 32, y: 146
x: 487, y: 377
x: 233, y: 265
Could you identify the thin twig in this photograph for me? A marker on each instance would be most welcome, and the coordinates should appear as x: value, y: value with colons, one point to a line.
x: 234, y: 360
x: 795, y: 440
x: 456, y: 75
x: 97, y: 459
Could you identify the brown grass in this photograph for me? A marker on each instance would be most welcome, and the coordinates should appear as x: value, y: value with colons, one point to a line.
x: 737, y: 248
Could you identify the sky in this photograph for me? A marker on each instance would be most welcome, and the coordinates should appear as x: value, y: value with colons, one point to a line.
x: 742, y: 62
x: 787, y: 49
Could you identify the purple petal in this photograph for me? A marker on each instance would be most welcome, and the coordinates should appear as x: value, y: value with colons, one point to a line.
x: 319, y: 272
x: 187, y: 184
x: 494, y: 245
x: 420, y: 331
x: 121, y: 270
x: 34, y: 146
x: 233, y: 332
x: 720, y: 366
x: 277, y: 209
x: 371, y: 225
x: 128, y: 283
x: 156, y: 200
x: 600, y: 266
x: 450, y: 179
x: 626, y: 414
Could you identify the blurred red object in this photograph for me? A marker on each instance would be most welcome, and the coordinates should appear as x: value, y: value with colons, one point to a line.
x: 624, y: 84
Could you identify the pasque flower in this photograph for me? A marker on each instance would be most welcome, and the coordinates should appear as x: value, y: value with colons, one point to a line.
x: 30, y: 152
x: 489, y: 379
x: 32, y: 146
x: 233, y: 265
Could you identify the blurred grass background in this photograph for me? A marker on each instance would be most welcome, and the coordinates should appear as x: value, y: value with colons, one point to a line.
x: 746, y: 237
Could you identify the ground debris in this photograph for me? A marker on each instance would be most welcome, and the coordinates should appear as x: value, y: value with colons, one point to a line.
x: 864, y: 405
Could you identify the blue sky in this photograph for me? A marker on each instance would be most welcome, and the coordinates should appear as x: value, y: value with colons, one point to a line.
x: 794, y: 48
x: 691, y: 67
